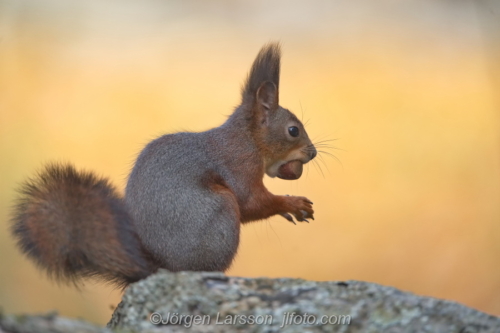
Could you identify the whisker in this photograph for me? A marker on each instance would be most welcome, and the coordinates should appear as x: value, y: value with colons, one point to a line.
x: 274, y: 231
x: 322, y: 160
x: 329, y: 147
x: 301, y: 113
x: 324, y: 138
x: 326, y: 145
x: 333, y: 156
x: 317, y: 142
x: 316, y: 164
x: 326, y: 152
x: 323, y: 144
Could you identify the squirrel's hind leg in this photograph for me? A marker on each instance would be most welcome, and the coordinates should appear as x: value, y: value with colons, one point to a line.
x: 201, y: 231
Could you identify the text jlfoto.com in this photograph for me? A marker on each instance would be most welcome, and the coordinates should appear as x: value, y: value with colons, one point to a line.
x: 288, y: 318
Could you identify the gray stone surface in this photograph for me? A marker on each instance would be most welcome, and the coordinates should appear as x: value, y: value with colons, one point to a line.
x: 213, y: 302
x: 229, y: 304
x: 48, y: 323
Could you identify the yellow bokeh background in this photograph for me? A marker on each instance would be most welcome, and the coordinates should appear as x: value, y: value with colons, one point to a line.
x: 408, y: 91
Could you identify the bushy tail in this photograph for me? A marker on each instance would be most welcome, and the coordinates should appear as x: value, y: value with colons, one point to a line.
x: 74, y: 224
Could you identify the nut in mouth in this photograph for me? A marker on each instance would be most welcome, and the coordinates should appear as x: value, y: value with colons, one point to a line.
x: 290, y: 170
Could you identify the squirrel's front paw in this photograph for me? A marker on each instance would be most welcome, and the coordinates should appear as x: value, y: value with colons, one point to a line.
x: 300, y: 207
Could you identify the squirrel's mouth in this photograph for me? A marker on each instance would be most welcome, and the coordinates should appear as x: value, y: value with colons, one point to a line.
x: 290, y: 170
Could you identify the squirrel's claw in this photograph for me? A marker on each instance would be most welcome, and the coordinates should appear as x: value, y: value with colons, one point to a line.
x: 306, y: 215
x: 298, y: 207
x: 288, y: 217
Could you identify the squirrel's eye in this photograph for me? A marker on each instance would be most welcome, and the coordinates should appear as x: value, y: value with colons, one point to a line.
x: 294, y: 131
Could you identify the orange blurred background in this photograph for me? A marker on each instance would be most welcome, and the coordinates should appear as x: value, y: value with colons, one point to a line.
x: 409, y: 90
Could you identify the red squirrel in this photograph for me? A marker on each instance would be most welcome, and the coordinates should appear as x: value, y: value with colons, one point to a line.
x: 185, y: 199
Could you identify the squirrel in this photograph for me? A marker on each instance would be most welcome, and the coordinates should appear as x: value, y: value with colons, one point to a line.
x: 186, y: 197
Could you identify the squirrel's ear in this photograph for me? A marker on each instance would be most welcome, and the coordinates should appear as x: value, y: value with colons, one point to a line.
x: 267, y: 96
x: 266, y: 100
x: 266, y: 67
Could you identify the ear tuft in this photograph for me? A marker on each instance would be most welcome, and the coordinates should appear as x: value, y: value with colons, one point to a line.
x: 266, y: 67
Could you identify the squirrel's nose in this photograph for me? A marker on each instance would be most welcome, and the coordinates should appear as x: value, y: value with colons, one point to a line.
x: 313, y: 153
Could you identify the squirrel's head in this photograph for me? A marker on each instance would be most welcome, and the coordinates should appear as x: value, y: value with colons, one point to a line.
x: 278, y: 133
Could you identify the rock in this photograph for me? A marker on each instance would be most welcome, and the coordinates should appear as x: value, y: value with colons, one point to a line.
x: 48, y: 323
x: 213, y: 302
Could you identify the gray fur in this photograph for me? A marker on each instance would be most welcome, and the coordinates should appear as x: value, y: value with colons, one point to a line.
x: 181, y: 222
